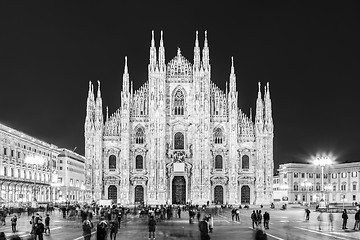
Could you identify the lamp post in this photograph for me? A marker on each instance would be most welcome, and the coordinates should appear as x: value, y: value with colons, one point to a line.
x: 35, y: 161
x: 322, y: 162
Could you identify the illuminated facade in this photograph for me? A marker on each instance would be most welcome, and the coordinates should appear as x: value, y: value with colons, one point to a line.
x: 70, y: 177
x: 20, y: 181
x: 302, y: 182
x: 179, y: 138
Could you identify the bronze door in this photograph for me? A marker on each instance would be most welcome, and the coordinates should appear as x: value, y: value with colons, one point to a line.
x: 112, y: 193
x: 219, y: 195
x: 178, y: 190
x: 245, y: 194
x: 139, y: 194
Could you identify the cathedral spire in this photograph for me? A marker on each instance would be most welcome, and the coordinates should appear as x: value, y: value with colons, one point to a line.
x: 250, y: 114
x: 259, y: 117
x: 107, y: 113
x: 232, y: 77
x: 152, y: 51
x: 162, y: 52
x: 98, y: 91
x: 98, y: 109
x: 268, y: 110
x: 205, y: 57
x: 197, y: 52
x: 126, y: 77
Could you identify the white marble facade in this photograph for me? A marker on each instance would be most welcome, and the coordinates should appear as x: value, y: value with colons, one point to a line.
x: 179, y: 138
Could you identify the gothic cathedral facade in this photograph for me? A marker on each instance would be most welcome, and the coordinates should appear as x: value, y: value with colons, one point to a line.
x: 179, y: 138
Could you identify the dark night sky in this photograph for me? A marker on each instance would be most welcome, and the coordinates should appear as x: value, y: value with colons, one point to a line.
x: 309, y: 54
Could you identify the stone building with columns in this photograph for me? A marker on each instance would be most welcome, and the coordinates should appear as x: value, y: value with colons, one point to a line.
x: 20, y: 182
x: 179, y: 138
x: 303, y: 182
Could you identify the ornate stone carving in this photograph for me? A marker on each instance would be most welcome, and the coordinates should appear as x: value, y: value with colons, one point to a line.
x: 179, y: 156
x: 246, y: 179
x: 219, y: 180
x: 112, y: 180
x: 138, y: 180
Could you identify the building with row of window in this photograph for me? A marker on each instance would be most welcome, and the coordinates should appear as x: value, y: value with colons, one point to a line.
x: 299, y: 182
x: 71, y: 177
x: 21, y: 181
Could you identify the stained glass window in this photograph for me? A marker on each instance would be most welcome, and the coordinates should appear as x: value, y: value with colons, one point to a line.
x: 179, y: 102
x: 179, y: 140
x: 218, y: 136
x: 139, y: 136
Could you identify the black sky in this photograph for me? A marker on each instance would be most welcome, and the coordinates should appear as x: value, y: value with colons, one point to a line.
x: 309, y: 54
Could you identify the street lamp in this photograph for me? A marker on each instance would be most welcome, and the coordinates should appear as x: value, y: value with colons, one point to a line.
x: 34, y: 160
x: 322, y: 162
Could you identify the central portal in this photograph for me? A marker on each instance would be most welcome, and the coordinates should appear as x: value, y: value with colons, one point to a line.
x: 179, y: 190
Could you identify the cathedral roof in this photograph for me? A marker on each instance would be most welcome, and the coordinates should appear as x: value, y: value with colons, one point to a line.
x: 179, y: 67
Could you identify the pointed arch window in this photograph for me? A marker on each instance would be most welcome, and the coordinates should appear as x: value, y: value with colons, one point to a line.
x: 139, y: 136
x: 179, y: 102
x: 179, y: 140
x: 112, y: 162
x: 218, y: 136
x: 218, y: 162
x: 139, y: 162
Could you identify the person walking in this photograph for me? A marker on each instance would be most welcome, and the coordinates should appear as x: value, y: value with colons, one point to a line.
x: 331, y: 220
x: 13, y: 223
x: 39, y: 230
x: 198, y: 215
x: 87, y: 227
x: 307, y: 214
x: 204, y: 229
x: 152, y: 224
x: 2, y: 236
x: 101, y: 229
x: 113, y: 229
x: 179, y: 212
x: 266, y: 220
x: 237, y: 215
x: 320, y: 219
x: 47, y: 224
x: 259, y: 217
x: 345, y: 218
x: 253, y: 219
x: 357, y: 220
x: 211, y: 223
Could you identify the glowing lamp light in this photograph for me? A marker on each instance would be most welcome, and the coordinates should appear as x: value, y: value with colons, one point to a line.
x: 36, y: 160
x: 322, y: 161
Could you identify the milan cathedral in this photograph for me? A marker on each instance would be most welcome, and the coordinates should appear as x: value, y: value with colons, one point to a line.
x: 179, y: 138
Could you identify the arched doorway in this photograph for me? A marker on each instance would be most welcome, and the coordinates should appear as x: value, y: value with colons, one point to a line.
x: 112, y: 193
x: 139, y: 194
x: 219, y: 195
x: 245, y: 194
x: 179, y: 190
